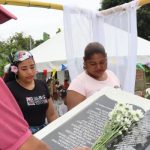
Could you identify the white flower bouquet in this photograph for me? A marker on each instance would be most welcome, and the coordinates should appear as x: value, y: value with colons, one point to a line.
x: 121, y: 119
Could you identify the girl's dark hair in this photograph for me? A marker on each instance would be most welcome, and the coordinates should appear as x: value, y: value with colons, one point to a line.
x: 94, y: 48
x: 10, y: 76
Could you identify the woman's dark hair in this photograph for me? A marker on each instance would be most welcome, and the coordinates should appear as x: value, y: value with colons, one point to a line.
x: 94, y: 48
x: 10, y: 76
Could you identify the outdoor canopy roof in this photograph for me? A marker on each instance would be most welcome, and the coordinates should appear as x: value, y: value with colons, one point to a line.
x: 52, y: 54
x: 5, y: 15
x: 35, y: 3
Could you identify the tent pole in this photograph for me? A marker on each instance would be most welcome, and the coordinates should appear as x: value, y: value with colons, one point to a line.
x: 30, y: 3
x: 35, y: 3
x: 143, y: 2
x: 119, y: 8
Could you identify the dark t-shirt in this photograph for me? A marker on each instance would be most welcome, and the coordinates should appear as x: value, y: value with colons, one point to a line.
x: 33, y: 103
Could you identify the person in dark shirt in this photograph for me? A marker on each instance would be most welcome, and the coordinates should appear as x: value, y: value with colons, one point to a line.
x: 31, y: 95
x: 12, y: 120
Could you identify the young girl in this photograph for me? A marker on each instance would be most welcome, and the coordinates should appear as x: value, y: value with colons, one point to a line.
x: 31, y: 95
x: 12, y: 120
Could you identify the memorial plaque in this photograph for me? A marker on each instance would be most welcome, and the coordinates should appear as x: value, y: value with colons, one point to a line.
x: 82, y: 129
x: 85, y: 127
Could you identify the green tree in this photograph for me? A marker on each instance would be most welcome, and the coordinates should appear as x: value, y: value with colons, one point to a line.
x: 46, y: 36
x: 143, y: 19
x: 18, y: 41
x: 4, y: 52
x: 143, y: 16
x: 38, y: 42
x: 58, y: 31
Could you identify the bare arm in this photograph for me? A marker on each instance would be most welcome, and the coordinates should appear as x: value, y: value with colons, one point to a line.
x: 34, y: 144
x: 73, y: 99
x: 51, y: 112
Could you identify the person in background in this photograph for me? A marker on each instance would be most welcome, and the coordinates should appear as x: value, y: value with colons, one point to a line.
x: 56, y: 102
x: 14, y: 130
x: 31, y: 95
x: 66, y: 84
x: 63, y: 108
x: 48, y: 82
x: 94, y: 77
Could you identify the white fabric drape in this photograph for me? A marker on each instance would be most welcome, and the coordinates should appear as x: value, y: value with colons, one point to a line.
x: 117, y: 31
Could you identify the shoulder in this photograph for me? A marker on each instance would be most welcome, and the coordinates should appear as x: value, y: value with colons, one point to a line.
x: 41, y: 85
x: 11, y: 83
x: 112, y: 77
x: 81, y: 77
x: 76, y: 81
x: 40, y: 82
x: 78, y: 84
x: 110, y: 73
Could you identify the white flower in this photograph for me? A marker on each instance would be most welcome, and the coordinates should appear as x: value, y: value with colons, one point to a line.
x: 139, y: 113
x: 136, y: 119
x: 127, y: 121
x: 125, y: 128
x: 121, y: 119
x: 120, y: 132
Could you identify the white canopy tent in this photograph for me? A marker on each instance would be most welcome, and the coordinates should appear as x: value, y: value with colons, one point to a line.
x: 52, y: 54
x: 143, y: 52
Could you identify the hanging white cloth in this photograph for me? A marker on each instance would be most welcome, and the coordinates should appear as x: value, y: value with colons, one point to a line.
x: 116, y: 30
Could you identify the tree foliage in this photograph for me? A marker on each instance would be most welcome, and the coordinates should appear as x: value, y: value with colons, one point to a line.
x: 58, y: 30
x: 38, y: 42
x: 143, y: 19
x: 143, y: 16
x: 19, y: 41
